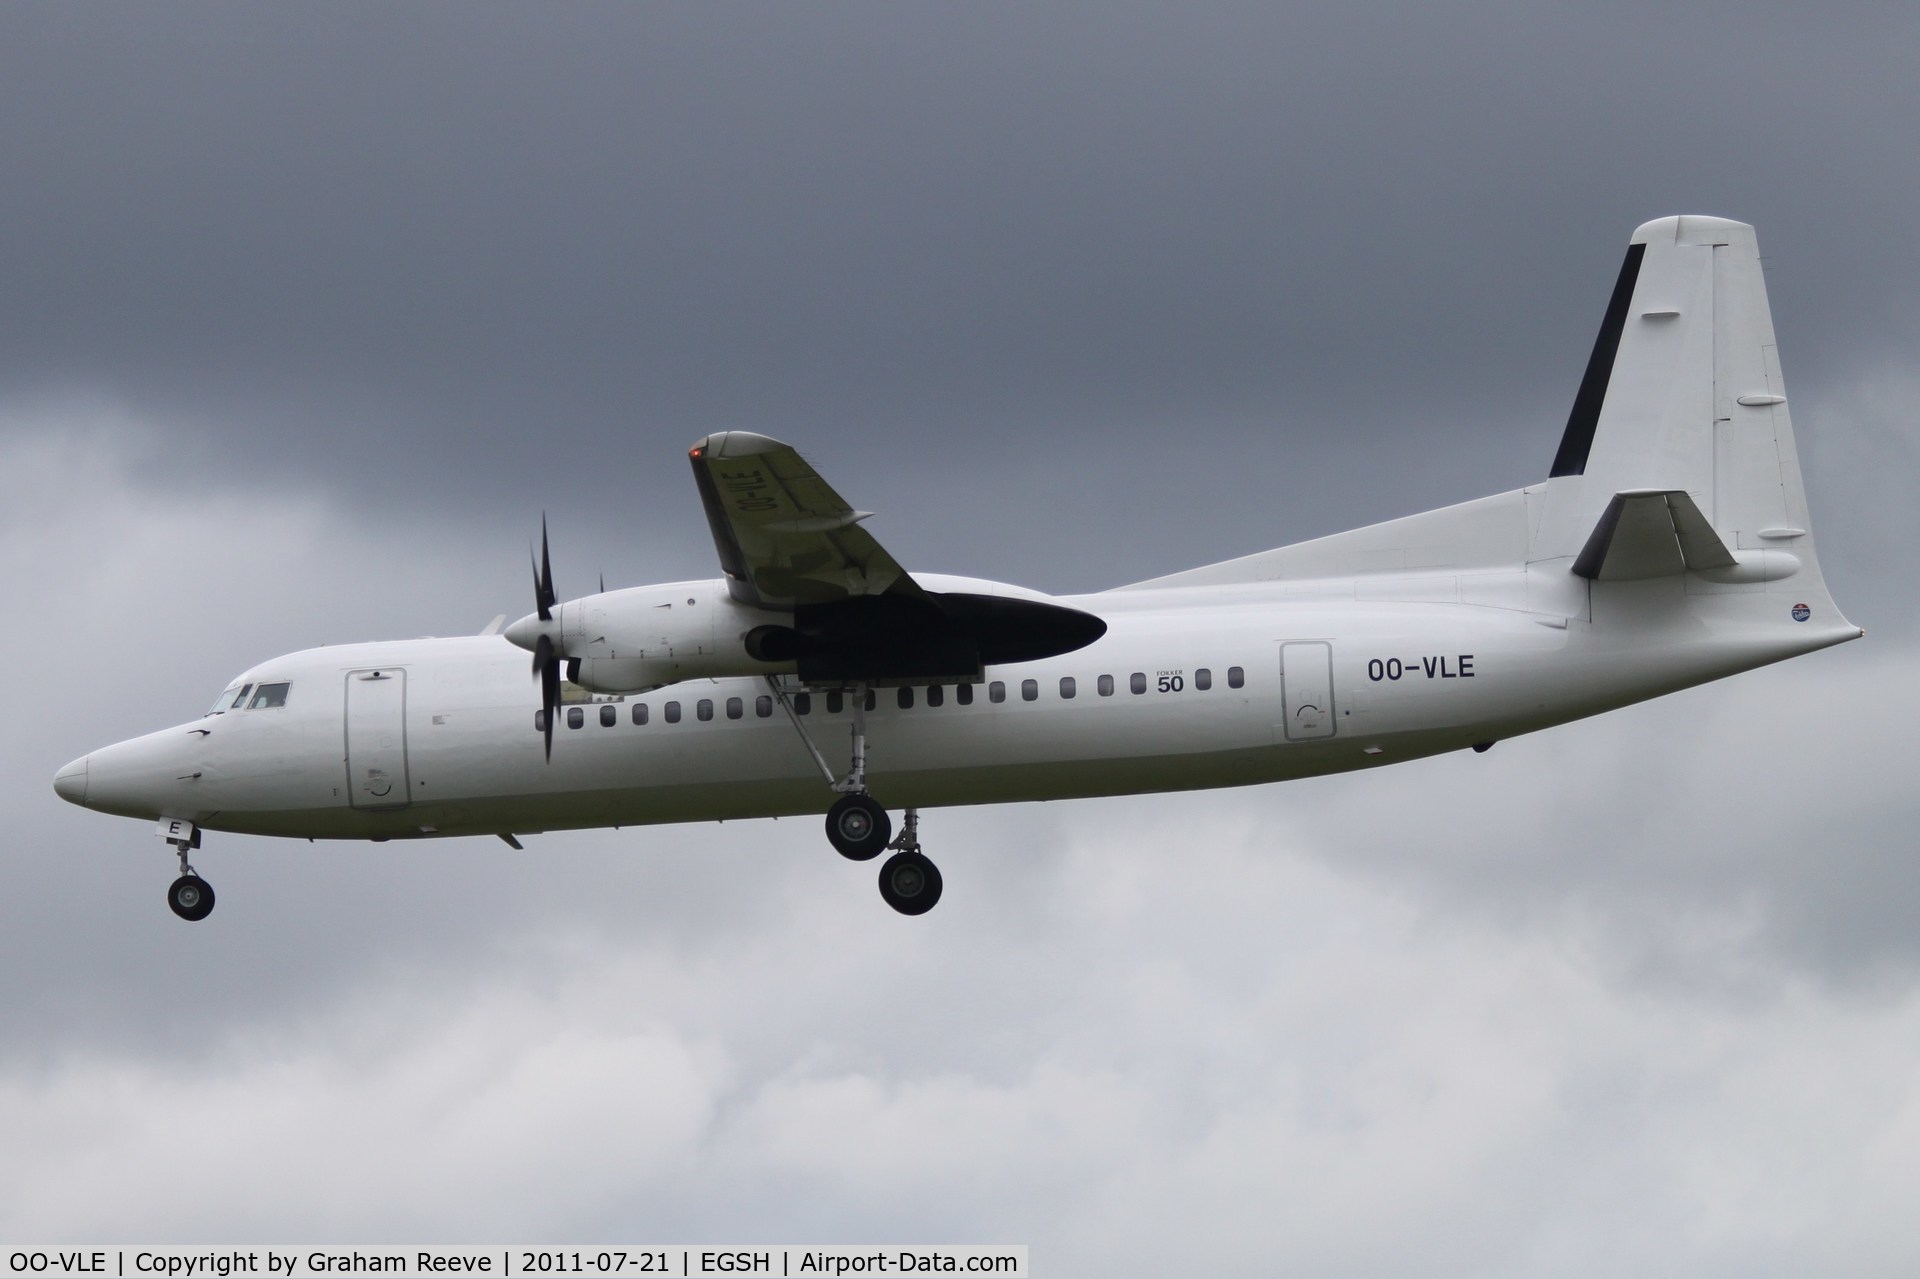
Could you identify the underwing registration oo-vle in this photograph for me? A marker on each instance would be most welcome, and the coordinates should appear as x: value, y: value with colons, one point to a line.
x: 1668, y: 546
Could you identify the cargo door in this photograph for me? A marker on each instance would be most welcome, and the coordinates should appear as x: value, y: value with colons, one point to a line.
x: 1306, y: 689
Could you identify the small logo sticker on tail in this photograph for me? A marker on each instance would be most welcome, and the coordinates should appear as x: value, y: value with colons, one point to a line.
x: 1801, y: 612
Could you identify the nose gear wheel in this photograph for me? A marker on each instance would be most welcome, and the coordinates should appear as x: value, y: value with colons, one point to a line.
x: 191, y: 898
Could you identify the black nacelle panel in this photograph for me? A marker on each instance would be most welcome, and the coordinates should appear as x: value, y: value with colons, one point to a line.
x: 1016, y: 630
x: 910, y: 638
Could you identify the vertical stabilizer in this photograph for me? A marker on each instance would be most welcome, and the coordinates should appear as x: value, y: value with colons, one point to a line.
x: 1683, y: 394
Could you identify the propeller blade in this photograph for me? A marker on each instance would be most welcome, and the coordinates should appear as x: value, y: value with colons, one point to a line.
x: 543, y: 587
x: 546, y: 664
x: 550, y: 700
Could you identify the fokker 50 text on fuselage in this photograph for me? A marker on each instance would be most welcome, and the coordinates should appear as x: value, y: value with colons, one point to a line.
x: 1669, y: 546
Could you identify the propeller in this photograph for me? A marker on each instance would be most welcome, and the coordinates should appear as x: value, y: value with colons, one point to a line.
x: 543, y: 596
x: 546, y: 664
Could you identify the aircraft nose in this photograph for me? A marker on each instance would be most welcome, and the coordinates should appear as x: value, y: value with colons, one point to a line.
x: 70, y: 783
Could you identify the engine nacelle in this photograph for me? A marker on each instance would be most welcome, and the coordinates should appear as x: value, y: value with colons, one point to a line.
x: 646, y: 636
x: 632, y: 640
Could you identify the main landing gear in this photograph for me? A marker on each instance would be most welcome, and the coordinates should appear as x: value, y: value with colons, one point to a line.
x: 858, y: 826
x: 909, y: 881
x: 190, y: 896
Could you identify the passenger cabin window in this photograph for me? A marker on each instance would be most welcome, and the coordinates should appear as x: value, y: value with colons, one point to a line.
x: 997, y: 691
x: 1203, y: 679
x: 609, y: 715
x: 936, y: 695
x: 802, y: 703
x: 1067, y: 687
x: 672, y: 712
x: 836, y: 702
x: 575, y: 717
x: 1137, y: 681
x: 1106, y: 686
x: 705, y: 709
x: 905, y: 697
x: 763, y: 706
x: 735, y: 708
x: 1235, y: 677
x: 963, y: 694
x: 1029, y: 690
x: 639, y: 712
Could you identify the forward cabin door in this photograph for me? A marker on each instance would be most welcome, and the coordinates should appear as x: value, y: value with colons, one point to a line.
x: 377, y: 738
x: 1306, y: 689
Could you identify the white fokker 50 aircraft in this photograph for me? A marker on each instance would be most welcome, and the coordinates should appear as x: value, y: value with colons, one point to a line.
x: 1669, y: 546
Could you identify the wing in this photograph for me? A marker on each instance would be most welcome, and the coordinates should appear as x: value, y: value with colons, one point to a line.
x: 785, y: 538
x: 789, y: 543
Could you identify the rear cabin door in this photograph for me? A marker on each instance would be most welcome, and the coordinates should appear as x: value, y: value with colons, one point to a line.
x: 377, y: 738
x: 1306, y: 689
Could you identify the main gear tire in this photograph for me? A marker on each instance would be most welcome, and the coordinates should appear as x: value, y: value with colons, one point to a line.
x: 858, y: 827
x: 910, y: 883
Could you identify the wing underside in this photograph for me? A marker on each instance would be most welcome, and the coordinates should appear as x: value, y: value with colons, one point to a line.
x: 785, y: 537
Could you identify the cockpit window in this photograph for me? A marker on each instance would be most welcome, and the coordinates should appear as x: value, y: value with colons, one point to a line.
x: 234, y: 697
x: 269, y: 695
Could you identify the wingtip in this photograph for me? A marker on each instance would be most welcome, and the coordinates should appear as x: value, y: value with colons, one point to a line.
x: 726, y: 444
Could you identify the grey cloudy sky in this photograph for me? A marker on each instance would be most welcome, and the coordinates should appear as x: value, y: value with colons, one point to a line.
x: 311, y: 311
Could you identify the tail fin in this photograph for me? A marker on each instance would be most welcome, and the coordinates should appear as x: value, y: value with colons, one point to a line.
x: 1683, y: 395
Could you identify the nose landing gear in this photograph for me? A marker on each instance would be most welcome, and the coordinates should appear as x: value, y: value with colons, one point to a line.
x: 189, y: 896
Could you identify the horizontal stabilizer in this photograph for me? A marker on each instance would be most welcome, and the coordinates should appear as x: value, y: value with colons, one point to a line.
x: 1651, y: 533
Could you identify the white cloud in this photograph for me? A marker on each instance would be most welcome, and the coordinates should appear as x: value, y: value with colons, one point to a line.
x: 1316, y: 1067
x: 1632, y: 995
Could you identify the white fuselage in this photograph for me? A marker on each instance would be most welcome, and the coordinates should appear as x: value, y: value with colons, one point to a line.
x: 439, y: 736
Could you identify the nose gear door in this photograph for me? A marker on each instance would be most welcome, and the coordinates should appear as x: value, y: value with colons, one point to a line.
x: 377, y: 738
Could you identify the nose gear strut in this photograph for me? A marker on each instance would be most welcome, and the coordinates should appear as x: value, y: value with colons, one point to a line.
x: 189, y: 896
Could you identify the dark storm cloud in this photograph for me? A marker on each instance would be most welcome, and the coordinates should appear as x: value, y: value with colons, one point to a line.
x: 1077, y: 258
x: 310, y: 311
